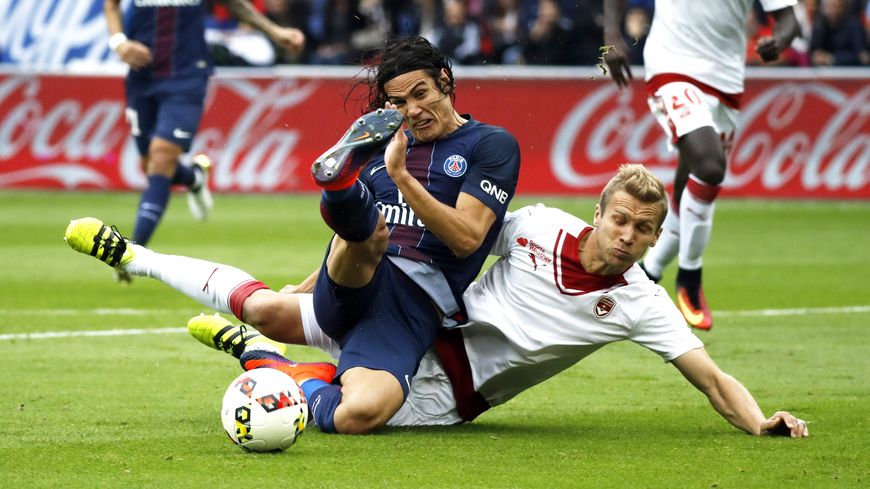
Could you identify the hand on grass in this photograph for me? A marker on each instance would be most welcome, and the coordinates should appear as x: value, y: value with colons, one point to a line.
x: 782, y: 423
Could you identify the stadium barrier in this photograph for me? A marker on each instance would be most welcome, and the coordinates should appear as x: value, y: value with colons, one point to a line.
x: 803, y: 133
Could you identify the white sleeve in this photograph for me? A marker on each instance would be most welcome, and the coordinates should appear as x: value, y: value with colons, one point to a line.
x: 502, y: 245
x: 662, y: 329
x: 773, y: 5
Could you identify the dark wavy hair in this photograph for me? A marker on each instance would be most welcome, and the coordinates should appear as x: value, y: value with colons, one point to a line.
x: 403, y: 55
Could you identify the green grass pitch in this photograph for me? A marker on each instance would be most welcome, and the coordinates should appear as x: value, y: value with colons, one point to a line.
x: 788, y: 281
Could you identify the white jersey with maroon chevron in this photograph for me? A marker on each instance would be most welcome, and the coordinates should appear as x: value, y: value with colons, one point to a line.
x: 705, y: 41
x: 535, y: 313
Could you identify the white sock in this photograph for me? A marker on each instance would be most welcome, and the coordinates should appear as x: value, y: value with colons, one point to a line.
x: 314, y: 336
x: 211, y: 284
x: 696, y: 221
x: 658, y: 256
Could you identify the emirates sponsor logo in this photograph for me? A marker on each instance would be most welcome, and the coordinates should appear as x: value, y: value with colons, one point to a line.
x: 399, y: 213
x: 604, y: 306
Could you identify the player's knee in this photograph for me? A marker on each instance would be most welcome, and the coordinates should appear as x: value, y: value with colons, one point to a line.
x: 362, y: 418
x: 374, y: 247
x: 710, y: 169
x: 274, y: 316
x: 369, y: 399
x: 162, y: 158
x: 380, y: 238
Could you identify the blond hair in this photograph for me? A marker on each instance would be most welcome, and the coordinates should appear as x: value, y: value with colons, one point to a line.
x: 638, y: 182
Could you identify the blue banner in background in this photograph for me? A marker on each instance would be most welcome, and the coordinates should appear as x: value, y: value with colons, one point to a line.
x: 54, y: 34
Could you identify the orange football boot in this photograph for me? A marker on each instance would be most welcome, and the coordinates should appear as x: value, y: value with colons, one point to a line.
x: 698, y: 316
x: 299, y: 372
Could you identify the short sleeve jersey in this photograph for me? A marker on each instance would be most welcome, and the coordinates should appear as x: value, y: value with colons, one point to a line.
x: 174, y: 31
x: 703, y: 40
x: 537, y: 311
x: 477, y: 159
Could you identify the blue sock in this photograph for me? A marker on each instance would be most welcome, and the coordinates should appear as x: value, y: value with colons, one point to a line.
x: 184, y: 175
x: 310, y: 386
x: 339, y: 195
x: 151, y: 207
x: 323, y: 402
x: 350, y: 212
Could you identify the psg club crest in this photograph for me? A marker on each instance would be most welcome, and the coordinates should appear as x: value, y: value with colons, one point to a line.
x: 455, y: 166
x: 604, y: 306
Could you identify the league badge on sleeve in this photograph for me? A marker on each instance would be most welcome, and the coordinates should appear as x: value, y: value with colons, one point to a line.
x: 455, y: 166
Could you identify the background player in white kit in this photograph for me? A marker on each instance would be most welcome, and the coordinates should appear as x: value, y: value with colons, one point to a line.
x: 560, y: 291
x: 694, y: 62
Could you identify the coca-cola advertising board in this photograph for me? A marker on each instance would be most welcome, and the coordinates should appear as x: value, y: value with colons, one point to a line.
x: 799, y: 136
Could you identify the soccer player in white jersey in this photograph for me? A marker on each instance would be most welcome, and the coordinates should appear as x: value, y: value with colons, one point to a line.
x: 560, y: 290
x: 694, y: 61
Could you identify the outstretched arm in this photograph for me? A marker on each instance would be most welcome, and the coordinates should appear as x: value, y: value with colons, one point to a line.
x: 288, y: 38
x: 732, y: 400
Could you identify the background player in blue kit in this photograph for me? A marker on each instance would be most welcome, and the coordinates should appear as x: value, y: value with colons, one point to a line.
x: 163, y: 42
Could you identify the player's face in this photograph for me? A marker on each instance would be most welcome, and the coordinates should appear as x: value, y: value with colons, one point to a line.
x: 626, y: 228
x: 428, y: 111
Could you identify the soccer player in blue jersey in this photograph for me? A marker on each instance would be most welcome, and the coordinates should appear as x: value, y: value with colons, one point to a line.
x: 163, y: 42
x: 413, y: 225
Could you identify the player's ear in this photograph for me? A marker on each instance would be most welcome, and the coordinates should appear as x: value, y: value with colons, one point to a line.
x: 444, y: 82
x: 656, y: 236
x: 597, y: 217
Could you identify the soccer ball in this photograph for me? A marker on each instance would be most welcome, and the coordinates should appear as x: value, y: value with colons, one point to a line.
x: 264, y: 410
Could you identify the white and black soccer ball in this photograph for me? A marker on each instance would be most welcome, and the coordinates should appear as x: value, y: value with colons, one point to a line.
x: 264, y: 410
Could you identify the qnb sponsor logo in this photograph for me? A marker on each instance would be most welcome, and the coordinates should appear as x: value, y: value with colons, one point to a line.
x: 399, y: 213
x: 167, y: 3
x: 492, y: 189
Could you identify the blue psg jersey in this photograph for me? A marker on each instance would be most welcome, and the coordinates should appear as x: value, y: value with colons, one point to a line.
x: 477, y: 159
x: 174, y: 31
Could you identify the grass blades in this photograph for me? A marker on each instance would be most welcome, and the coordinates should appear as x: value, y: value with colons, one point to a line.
x: 787, y: 281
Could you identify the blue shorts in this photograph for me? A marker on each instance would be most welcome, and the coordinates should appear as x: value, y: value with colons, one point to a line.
x: 168, y: 108
x: 386, y: 325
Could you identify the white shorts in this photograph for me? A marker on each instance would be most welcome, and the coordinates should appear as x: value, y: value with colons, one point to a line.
x: 430, y: 401
x: 681, y: 107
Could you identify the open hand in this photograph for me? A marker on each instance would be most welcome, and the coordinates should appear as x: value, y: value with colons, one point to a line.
x: 782, y: 423
x: 397, y: 149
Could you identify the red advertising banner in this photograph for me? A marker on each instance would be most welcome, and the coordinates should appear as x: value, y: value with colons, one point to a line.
x: 797, y: 137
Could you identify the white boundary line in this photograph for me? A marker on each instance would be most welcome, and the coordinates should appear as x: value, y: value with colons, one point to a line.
x: 795, y: 312
x: 134, y: 332
x: 74, y: 334
x: 91, y: 312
